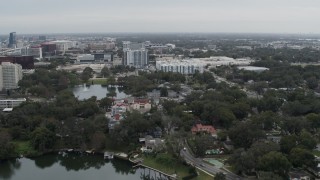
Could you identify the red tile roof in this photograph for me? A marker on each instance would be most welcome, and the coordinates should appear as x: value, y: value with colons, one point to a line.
x: 117, y: 117
x: 141, y: 101
x: 203, y: 128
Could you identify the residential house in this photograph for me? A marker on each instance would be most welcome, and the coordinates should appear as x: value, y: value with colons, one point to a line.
x: 157, y: 132
x: 141, y: 105
x: 155, y: 94
x: 199, y: 128
x: 117, y: 114
x: 172, y: 94
x: 119, y: 108
x: 299, y: 175
x: 112, y: 124
x: 275, y: 139
x: 152, y: 144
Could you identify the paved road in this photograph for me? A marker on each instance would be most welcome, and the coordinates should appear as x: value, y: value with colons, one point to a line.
x: 188, y: 157
x: 249, y: 93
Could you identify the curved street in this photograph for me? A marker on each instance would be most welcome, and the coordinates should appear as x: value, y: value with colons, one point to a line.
x: 199, y: 163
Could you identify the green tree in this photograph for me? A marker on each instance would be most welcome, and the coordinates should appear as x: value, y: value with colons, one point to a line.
x: 274, y: 162
x: 105, y: 72
x: 7, y: 148
x: 243, y: 134
x: 86, y: 74
x: 225, y: 116
x: 105, y: 102
x: 112, y: 80
x: 98, y: 140
x: 312, y: 82
x: 164, y: 92
x: 288, y: 142
x: 269, y: 176
x: 42, y: 139
x: 266, y: 120
x: 314, y: 120
x: 302, y: 157
x: 242, y: 161
x: 112, y: 92
x: 220, y: 176
x: 240, y: 109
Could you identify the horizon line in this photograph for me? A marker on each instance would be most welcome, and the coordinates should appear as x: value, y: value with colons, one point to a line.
x: 101, y: 33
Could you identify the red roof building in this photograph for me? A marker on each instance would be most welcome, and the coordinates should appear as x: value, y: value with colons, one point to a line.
x: 199, y: 128
x: 117, y: 117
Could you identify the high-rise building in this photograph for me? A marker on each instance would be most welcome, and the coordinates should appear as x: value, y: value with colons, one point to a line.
x: 11, y: 75
x: 135, y: 54
x: 12, y: 40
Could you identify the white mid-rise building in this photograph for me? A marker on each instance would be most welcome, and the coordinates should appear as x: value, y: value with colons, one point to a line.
x: 190, y: 66
x: 32, y: 51
x: 180, y: 66
x: 135, y: 54
x: 1, y: 79
x: 11, y: 75
x: 63, y: 45
x: 127, y: 45
x: 136, y: 58
x: 11, y: 103
x: 94, y: 58
x: 85, y: 58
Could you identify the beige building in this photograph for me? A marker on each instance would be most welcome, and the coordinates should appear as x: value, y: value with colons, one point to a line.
x: 142, y: 105
x: 11, y: 75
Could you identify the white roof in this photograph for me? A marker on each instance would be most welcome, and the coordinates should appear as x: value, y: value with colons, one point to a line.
x: 253, y: 68
x: 13, y: 100
x: 7, y: 109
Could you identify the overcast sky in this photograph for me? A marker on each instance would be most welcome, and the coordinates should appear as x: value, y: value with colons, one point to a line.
x: 86, y: 16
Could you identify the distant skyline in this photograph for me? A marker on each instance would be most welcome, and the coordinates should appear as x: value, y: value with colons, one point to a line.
x: 209, y: 16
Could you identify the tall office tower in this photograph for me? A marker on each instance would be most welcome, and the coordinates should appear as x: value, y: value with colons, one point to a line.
x: 135, y: 54
x: 1, y: 79
x: 11, y: 75
x: 12, y: 40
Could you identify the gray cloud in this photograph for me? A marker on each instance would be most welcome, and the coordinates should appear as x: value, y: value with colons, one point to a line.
x: 53, y: 16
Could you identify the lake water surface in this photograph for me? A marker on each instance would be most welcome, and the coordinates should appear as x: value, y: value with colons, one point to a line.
x: 87, y: 91
x: 69, y: 167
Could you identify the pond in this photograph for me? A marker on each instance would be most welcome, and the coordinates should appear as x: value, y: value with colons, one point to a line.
x: 70, y: 166
x: 86, y: 91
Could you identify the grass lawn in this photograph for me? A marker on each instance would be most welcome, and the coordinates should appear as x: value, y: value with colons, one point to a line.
x: 174, y: 168
x: 24, y: 148
x: 203, y: 175
x: 102, y: 81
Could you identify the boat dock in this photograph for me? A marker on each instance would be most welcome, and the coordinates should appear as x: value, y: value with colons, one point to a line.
x: 122, y: 156
x: 108, y: 155
x: 173, y: 176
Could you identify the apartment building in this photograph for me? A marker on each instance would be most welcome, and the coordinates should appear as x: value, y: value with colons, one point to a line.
x: 11, y: 75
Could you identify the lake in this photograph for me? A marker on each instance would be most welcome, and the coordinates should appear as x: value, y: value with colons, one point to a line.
x: 69, y: 167
x: 86, y: 91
